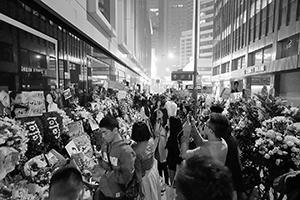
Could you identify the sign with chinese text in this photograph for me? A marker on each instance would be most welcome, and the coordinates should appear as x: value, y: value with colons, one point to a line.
x: 255, y: 69
x: 181, y: 75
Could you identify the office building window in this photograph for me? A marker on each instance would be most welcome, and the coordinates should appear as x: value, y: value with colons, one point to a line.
x: 267, y: 57
x: 104, y: 7
x: 216, y: 70
x: 225, y: 68
x: 289, y: 47
x: 298, y: 10
x: 270, y: 20
x: 235, y: 64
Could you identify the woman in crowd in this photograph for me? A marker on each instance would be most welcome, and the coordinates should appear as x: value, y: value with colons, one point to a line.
x: 173, y: 158
x: 145, y: 111
x: 145, y: 163
x: 161, y: 151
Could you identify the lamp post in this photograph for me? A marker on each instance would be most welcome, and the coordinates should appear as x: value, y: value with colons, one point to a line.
x: 196, y: 46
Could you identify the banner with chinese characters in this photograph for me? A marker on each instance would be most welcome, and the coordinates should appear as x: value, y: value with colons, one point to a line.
x: 28, y: 104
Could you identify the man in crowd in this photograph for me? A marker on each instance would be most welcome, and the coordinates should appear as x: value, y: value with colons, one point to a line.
x: 214, y: 146
x: 171, y: 107
x: 203, y: 178
x: 66, y: 184
x: 117, y: 159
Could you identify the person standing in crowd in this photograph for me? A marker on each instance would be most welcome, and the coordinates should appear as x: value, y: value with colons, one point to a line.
x: 173, y: 158
x: 215, y: 146
x: 203, y: 178
x: 145, y: 163
x: 232, y: 159
x: 153, y: 108
x: 145, y: 111
x: 67, y: 184
x: 117, y: 159
x: 171, y: 107
x: 161, y: 151
x: 183, y: 112
x: 235, y: 87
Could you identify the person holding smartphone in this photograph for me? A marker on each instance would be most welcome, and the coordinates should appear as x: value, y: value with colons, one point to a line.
x: 214, y: 146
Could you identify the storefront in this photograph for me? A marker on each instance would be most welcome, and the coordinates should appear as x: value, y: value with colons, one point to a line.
x: 39, y: 52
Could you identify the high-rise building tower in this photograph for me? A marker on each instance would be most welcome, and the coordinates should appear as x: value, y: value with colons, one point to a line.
x: 186, y: 48
x: 257, y: 43
x: 206, y: 18
x: 175, y: 16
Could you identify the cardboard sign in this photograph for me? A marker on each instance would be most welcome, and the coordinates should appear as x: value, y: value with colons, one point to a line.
x: 30, y: 104
x: 75, y: 129
x: 67, y: 94
x: 83, y: 143
x: 4, y: 101
x: 93, y: 124
x: 71, y: 148
x: 225, y: 94
x: 121, y: 95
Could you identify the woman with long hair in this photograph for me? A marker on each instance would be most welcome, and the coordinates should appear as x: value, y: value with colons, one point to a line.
x: 173, y: 158
x: 161, y: 151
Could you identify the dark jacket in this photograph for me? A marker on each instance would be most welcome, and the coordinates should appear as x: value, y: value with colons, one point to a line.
x: 120, y: 172
x: 233, y: 162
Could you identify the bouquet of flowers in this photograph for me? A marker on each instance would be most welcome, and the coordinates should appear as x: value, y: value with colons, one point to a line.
x: 12, y: 134
x: 278, y: 148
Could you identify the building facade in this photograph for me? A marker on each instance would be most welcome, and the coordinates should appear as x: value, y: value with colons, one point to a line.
x: 186, y: 48
x: 206, y: 18
x: 256, y: 42
x: 54, y: 43
x: 175, y: 16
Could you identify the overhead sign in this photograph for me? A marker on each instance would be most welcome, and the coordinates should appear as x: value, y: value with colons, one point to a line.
x: 181, y: 75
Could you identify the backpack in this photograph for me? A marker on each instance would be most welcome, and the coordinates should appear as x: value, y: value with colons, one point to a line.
x: 134, y: 188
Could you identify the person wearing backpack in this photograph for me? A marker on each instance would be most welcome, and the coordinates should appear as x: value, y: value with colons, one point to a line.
x: 118, y: 160
x: 145, y: 163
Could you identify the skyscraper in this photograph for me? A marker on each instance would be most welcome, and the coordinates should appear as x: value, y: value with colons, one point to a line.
x: 206, y: 18
x: 175, y: 16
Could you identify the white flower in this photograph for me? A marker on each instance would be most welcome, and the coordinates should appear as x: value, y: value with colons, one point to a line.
x: 279, y: 138
x: 278, y: 161
x: 294, y: 149
x: 267, y: 156
x: 290, y: 143
x: 285, y: 153
x: 271, y: 153
x: 258, y: 142
x: 279, y: 152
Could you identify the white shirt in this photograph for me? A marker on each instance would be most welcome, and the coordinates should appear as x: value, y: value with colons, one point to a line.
x: 171, y: 107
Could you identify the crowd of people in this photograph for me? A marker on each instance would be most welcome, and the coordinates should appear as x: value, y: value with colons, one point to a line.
x: 198, y: 158
x: 171, y: 147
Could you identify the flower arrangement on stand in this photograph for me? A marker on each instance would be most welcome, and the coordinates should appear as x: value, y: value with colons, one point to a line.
x: 277, y: 149
x: 268, y: 138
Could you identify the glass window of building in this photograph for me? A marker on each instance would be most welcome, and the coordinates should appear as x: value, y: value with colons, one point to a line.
x: 289, y: 47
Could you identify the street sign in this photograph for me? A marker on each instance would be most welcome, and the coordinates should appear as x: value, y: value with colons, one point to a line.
x: 181, y: 75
